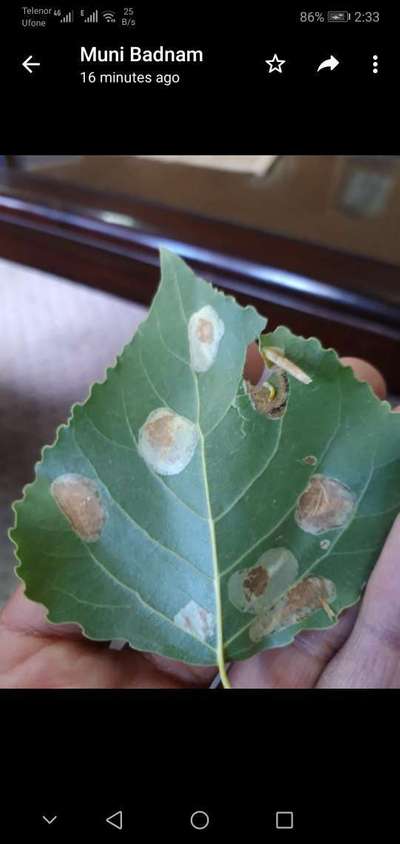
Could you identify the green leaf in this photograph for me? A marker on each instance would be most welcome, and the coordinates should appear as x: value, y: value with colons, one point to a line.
x: 200, y: 518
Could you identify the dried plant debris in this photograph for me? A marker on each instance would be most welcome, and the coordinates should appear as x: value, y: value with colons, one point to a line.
x: 274, y: 356
x: 199, y: 517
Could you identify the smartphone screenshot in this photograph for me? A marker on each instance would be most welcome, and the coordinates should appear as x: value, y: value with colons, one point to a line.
x: 199, y: 420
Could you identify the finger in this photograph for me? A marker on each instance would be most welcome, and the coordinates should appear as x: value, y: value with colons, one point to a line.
x: 54, y: 663
x: 297, y: 666
x: 20, y: 615
x: 190, y: 675
x: 364, y: 371
x: 371, y: 656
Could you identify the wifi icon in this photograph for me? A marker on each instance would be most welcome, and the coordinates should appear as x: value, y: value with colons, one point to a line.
x: 109, y: 16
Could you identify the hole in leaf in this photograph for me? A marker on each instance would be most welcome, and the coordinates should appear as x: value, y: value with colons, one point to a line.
x: 270, y: 398
x: 310, y: 460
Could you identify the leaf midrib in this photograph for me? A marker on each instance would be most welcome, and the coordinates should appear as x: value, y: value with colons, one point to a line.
x: 211, y: 526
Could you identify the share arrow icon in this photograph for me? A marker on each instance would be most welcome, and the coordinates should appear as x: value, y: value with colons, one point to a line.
x: 331, y: 63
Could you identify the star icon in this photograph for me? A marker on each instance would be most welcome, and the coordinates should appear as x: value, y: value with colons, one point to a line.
x: 275, y: 63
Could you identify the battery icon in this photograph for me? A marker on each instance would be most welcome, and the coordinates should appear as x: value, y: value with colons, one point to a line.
x: 338, y: 17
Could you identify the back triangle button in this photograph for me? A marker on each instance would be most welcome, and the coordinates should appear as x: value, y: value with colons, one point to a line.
x: 115, y: 820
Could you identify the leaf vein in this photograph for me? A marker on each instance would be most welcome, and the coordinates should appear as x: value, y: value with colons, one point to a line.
x: 91, y: 603
x: 255, y: 478
x: 109, y: 439
x: 153, y: 387
x: 141, y: 600
x: 381, y: 513
x: 168, y: 348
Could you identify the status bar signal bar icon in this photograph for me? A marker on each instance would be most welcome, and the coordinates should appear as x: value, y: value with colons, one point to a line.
x: 93, y: 17
x: 68, y: 18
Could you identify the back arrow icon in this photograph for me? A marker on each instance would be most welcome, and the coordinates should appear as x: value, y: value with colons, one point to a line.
x: 49, y: 820
x: 28, y: 64
x: 115, y: 820
x: 331, y: 63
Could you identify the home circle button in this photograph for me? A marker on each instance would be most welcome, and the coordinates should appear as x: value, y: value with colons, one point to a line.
x: 199, y: 820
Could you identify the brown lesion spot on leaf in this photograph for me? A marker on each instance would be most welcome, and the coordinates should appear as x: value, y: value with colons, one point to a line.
x: 307, y: 596
x: 196, y: 620
x: 270, y: 398
x: 255, y: 589
x: 255, y: 582
x: 310, y: 460
x: 304, y: 599
x: 167, y: 441
x: 79, y: 500
x: 205, y: 331
x: 324, y: 505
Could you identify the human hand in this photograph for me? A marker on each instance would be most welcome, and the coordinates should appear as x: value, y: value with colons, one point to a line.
x: 362, y: 650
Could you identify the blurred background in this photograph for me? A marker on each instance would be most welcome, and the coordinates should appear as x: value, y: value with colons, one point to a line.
x: 311, y: 241
x: 352, y: 203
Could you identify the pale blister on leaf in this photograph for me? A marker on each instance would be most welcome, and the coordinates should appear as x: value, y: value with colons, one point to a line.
x: 167, y: 441
x: 192, y: 515
x: 325, y: 504
x: 79, y: 499
x: 205, y: 331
